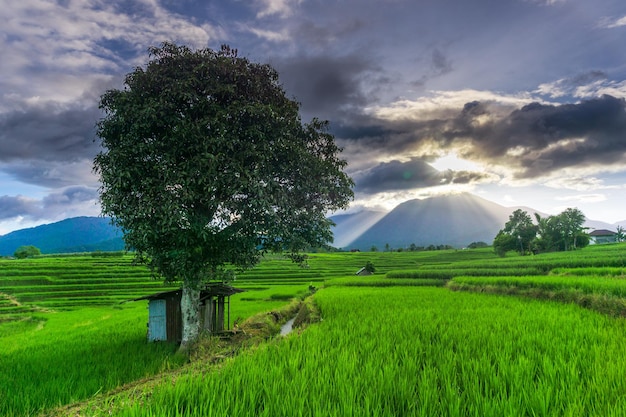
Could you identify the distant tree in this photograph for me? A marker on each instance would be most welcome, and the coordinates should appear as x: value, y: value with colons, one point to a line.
x: 620, y: 235
x: 476, y: 245
x: 206, y: 163
x: 504, y: 242
x: 374, y: 249
x: 387, y: 247
x: 518, y: 234
x: 571, y: 221
x: 26, y: 251
x: 582, y: 240
x: 412, y: 247
x: 563, y: 231
x: 548, y: 233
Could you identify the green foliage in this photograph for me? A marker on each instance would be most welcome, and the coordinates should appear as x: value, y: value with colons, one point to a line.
x: 504, y: 242
x: 517, y: 234
x: 476, y: 245
x: 207, y: 163
x: 467, y: 355
x: 67, y: 356
x: 501, y: 355
x: 562, y: 232
x: 369, y: 267
x: 27, y: 251
x: 206, y: 160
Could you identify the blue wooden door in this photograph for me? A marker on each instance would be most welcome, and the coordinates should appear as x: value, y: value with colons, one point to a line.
x: 156, y: 321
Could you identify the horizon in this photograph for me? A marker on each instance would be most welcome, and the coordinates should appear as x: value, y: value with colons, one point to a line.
x: 362, y: 209
x: 530, y: 110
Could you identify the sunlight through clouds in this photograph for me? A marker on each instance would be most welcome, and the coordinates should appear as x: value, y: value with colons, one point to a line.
x: 531, y: 106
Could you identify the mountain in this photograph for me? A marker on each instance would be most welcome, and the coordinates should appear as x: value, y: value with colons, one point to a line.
x: 349, y: 227
x: 77, y: 234
x: 455, y: 220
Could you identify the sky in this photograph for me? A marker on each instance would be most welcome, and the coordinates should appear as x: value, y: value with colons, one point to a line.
x: 520, y: 102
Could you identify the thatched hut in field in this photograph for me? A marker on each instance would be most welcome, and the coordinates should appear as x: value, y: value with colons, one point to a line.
x: 165, y: 322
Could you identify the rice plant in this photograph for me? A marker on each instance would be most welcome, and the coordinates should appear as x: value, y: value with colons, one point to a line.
x: 415, y: 351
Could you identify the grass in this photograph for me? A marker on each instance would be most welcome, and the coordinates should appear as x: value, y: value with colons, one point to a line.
x: 52, y: 359
x: 388, y: 344
x: 466, y: 354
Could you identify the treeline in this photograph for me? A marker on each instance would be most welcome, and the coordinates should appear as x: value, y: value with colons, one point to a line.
x: 560, y: 232
x: 412, y: 248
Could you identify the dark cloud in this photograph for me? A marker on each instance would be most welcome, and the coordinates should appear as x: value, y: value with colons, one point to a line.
x: 533, y: 141
x: 52, y: 174
x: 414, y: 174
x: 441, y: 64
x: 325, y: 84
x: 586, y: 78
x: 589, y: 133
x: 321, y: 36
x: 67, y: 202
x: 48, y: 132
x: 70, y: 196
x: 15, y: 206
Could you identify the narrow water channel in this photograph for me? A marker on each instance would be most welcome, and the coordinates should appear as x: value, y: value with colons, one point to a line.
x: 287, y: 327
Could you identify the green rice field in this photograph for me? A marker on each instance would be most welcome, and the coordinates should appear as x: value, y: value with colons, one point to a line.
x: 438, y: 333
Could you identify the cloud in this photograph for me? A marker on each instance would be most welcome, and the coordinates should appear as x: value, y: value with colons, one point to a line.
x: 67, y: 202
x: 48, y: 132
x: 70, y: 197
x: 569, y: 86
x: 281, y: 8
x: 413, y: 174
x: 583, y: 198
x: 269, y: 35
x: 579, y: 183
x: 440, y: 63
x: 325, y: 84
x: 63, y: 41
x: 612, y: 23
x: 533, y: 141
x: 16, y: 206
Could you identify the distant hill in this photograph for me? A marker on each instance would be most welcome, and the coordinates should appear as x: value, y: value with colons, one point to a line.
x: 77, y: 234
x: 455, y: 220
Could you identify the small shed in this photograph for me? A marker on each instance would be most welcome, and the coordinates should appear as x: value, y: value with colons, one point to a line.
x: 363, y: 272
x: 165, y: 322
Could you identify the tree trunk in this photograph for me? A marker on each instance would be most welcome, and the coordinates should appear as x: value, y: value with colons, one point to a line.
x: 190, y: 309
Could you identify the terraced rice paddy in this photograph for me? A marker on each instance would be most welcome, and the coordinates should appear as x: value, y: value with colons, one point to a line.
x: 396, y: 343
x: 420, y: 352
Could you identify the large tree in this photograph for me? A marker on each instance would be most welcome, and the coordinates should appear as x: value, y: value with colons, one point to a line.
x: 206, y: 163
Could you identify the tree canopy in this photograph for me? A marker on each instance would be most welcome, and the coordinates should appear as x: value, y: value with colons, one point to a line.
x: 561, y: 232
x: 206, y: 162
x: 518, y: 233
x: 26, y: 251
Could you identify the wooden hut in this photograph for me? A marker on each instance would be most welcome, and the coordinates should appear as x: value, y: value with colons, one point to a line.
x: 165, y: 320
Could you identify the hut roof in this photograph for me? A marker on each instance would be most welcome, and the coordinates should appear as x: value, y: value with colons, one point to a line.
x: 211, y: 290
x: 602, y: 232
x: 217, y: 289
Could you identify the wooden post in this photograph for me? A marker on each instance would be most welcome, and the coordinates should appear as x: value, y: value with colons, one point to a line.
x: 220, y: 313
